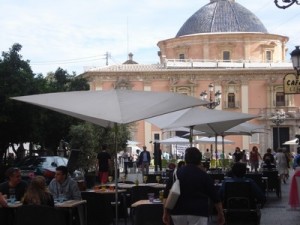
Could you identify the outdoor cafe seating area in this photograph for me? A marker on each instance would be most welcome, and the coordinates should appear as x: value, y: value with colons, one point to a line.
x: 130, y: 202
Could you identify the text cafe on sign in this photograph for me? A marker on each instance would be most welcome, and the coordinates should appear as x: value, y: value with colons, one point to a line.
x: 291, y: 84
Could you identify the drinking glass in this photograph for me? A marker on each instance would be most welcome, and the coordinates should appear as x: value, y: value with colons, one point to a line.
x: 110, y: 178
x: 12, y: 198
x: 61, y: 197
x: 145, y: 179
x: 157, y: 179
x: 12, y: 195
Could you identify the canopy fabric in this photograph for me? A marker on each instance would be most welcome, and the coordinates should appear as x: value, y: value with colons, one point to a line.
x: 113, y: 106
x: 174, y: 140
x: 244, y: 129
x: 212, y: 140
x: 292, y: 142
x: 212, y: 122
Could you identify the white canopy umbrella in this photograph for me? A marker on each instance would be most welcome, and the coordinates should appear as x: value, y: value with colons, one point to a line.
x: 292, y: 142
x: 244, y: 129
x: 212, y: 122
x: 212, y: 140
x: 174, y: 140
x: 129, y: 142
x: 112, y: 107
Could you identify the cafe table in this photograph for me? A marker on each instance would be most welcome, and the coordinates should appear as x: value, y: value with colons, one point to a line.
x: 155, y: 185
x: 68, y: 205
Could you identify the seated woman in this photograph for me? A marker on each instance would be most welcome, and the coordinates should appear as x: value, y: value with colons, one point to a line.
x: 38, y: 193
x: 238, y: 172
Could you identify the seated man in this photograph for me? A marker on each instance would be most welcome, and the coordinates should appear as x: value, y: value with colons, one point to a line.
x: 63, y: 184
x: 238, y: 175
x: 14, y: 185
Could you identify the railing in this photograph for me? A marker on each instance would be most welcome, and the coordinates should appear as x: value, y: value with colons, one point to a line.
x: 202, y: 63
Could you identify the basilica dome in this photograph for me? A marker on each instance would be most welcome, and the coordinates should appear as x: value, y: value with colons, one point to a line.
x: 222, y: 16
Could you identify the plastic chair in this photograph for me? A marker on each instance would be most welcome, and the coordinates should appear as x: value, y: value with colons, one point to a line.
x: 239, y: 204
x: 99, y: 209
x: 273, y: 181
x: 39, y: 214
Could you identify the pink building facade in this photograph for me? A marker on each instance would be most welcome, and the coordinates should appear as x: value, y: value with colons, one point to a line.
x: 240, y: 58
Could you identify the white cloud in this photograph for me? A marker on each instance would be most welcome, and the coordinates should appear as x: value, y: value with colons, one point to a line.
x: 53, y: 31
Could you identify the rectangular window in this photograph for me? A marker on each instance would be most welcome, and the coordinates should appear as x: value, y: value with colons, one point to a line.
x: 231, y: 100
x: 280, y: 99
x: 181, y: 57
x: 226, y: 56
x: 269, y: 56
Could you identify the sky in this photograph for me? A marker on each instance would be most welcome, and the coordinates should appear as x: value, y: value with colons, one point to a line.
x: 77, y: 34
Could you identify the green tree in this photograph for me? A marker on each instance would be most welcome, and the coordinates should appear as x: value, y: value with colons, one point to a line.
x: 89, y: 138
x: 16, y: 78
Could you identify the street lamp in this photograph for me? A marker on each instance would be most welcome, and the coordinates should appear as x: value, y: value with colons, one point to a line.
x: 295, y: 56
x: 213, y: 102
x: 286, y: 3
x: 278, y: 118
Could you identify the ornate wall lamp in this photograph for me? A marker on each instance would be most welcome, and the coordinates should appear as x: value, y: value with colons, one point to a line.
x: 213, y: 102
x: 295, y: 57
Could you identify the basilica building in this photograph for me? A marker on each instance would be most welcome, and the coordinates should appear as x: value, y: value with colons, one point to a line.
x: 226, y: 46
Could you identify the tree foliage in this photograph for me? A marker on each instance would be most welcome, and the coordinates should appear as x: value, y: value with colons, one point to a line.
x: 20, y: 122
x: 89, y: 138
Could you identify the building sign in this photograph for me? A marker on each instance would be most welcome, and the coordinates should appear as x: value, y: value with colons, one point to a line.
x: 291, y: 84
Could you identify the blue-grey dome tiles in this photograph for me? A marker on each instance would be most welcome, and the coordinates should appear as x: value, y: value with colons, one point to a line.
x: 222, y: 16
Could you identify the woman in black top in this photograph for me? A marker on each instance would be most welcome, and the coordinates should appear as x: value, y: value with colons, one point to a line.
x: 196, y: 188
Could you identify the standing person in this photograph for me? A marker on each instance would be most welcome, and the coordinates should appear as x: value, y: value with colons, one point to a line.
x: 144, y: 160
x: 126, y: 158
x: 63, y: 184
x: 14, y: 186
x: 268, y: 157
x: 196, y: 187
x: 237, y: 155
x: 157, y: 157
x: 37, y: 193
x: 296, y: 161
x: 254, y: 159
x: 244, y: 157
x: 104, y: 163
x: 282, y: 165
x: 207, y: 155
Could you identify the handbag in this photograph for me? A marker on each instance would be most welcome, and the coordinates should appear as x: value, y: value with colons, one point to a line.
x: 174, y: 194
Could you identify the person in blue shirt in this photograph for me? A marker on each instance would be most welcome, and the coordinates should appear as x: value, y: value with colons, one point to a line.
x: 296, y: 161
x: 238, y: 172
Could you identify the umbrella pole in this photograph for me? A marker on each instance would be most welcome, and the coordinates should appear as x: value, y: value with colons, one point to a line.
x: 191, y: 135
x: 223, y: 152
x: 216, y: 151
x: 116, y: 171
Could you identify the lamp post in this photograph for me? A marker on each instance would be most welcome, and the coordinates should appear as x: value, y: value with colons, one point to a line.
x: 286, y: 3
x: 278, y: 118
x: 213, y: 102
x: 295, y: 57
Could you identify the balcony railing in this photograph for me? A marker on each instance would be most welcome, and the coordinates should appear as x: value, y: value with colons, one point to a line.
x: 202, y: 63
